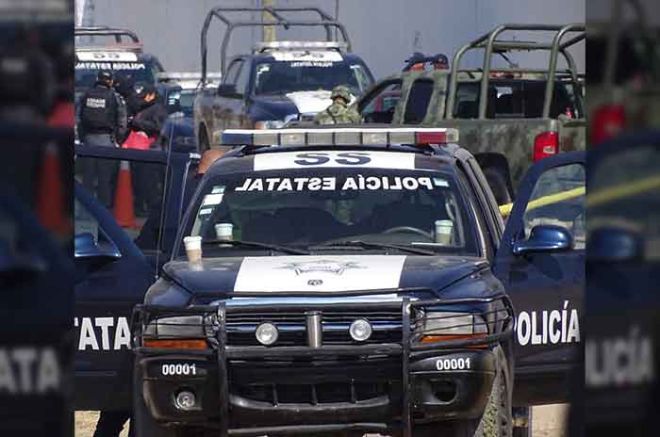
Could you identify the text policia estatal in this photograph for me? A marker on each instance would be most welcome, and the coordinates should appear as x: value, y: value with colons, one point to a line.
x: 358, y: 182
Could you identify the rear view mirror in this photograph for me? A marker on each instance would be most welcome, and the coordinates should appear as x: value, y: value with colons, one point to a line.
x: 87, y: 247
x: 612, y: 244
x: 545, y: 238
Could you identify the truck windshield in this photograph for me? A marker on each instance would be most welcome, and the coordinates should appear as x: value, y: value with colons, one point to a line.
x: 86, y: 72
x: 318, y: 207
x: 282, y: 77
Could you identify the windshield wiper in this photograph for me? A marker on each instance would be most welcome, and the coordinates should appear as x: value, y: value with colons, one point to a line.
x: 369, y: 245
x: 258, y: 245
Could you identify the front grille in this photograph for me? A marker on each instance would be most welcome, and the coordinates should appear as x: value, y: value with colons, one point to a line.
x: 386, y: 325
x: 313, y: 394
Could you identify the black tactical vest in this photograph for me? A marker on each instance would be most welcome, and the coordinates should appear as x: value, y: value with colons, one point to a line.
x: 99, y: 111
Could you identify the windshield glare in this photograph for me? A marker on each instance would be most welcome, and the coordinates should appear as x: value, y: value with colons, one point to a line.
x: 282, y: 77
x: 308, y: 208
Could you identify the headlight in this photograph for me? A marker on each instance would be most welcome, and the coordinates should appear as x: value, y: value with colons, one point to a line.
x: 436, y: 326
x: 266, y: 334
x: 176, y: 327
x: 269, y: 124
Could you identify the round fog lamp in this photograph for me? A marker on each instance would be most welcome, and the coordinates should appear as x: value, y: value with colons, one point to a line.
x: 266, y: 334
x: 185, y: 400
x: 360, y: 330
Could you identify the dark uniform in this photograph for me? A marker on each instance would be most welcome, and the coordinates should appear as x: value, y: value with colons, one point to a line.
x: 102, y: 121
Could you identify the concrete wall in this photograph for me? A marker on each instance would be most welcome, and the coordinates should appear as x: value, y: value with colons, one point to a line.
x: 384, y: 32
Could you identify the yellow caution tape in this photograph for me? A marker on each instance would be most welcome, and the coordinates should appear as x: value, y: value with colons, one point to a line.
x: 505, y: 210
x: 622, y: 191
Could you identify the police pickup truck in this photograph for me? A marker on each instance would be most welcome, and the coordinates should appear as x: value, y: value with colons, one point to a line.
x: 123, y: 56
x: 509, y: 116
x: 280, y: 81
x: 346, y: 281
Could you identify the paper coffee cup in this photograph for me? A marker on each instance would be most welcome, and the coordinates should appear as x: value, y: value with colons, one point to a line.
x: 443, y: 231
x: 193, y: 248
x: 224, y: 231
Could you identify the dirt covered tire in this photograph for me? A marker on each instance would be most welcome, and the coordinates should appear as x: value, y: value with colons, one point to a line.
x: 498, y: 185
x: 497, y: 420
x: 144, y: 424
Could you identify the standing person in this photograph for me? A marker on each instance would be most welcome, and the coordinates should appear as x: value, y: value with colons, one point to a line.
x: 145, y: 129
x: 339, y: 112
x: 102, y: 121
x: 125, y: 86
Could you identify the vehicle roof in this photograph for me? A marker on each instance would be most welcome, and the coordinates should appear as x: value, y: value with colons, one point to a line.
x: 241, y: 159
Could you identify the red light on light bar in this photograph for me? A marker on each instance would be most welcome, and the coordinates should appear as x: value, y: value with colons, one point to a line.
x: 431, y: 137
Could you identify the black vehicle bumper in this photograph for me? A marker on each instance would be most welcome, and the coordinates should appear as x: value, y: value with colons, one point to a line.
x: 253, y: 390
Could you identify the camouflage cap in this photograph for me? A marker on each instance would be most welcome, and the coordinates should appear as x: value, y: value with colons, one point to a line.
x: 341, y: 91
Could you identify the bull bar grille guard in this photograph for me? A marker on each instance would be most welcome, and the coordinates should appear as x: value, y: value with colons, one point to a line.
x: 498, y: 319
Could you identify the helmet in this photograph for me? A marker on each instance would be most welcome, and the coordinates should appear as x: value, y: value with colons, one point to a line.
x: 104, y: 76
x: 341, y: 91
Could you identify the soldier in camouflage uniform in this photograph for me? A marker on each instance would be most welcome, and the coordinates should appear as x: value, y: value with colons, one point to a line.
x: 339, y: 112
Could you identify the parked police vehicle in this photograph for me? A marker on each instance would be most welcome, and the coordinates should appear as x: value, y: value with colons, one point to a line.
x: 279, y: 81
x: 179, y: 91
x: 124, y: 56
x: 343, y: 280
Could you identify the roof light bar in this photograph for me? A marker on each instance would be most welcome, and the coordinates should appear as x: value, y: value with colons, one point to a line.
x: 298, y: 45
x: 336, y: 137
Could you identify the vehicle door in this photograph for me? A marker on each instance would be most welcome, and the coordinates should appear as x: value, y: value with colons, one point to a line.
x: 379, y: 105
x: 540, y: 262
x: 119, y: 247
x: 229, y: 105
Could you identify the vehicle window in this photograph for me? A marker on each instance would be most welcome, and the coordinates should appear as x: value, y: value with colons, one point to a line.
x: 283, y: 77
x: 323, y: 206
x: 232, y: 72
x: 380, y: 108
x: 362, y: 77
x: 623, y: 193
x: 131, y: 191
x: 514, y: 99
x: 418, y: 101
x: 467, y: 100
x: 558, y: 198
x: 242, y: 78
x: 85, y: 72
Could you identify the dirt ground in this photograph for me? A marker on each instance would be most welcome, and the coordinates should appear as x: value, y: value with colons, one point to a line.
x: 548, y: 421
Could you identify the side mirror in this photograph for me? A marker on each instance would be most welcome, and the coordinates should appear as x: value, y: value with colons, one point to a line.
x: 544, y: 238
x: 613, y: 244
x: 86, y: 247
x: 227, y: 90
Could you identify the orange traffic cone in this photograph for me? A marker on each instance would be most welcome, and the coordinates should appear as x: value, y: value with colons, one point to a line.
x: 123, y: 208
x: 50, y: 194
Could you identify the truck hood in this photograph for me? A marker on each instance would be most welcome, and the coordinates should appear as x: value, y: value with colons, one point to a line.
x: 318, y: 274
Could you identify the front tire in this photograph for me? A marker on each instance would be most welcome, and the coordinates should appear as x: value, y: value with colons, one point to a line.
x: 496, y: 420
x: 498, y: 185
x: 204, y: 143
x: 144, y: 424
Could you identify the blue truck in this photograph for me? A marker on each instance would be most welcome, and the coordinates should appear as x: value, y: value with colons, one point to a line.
x: 367, y: 284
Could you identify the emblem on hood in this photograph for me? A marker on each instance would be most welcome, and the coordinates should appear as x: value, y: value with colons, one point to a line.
x: 321, y: 266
